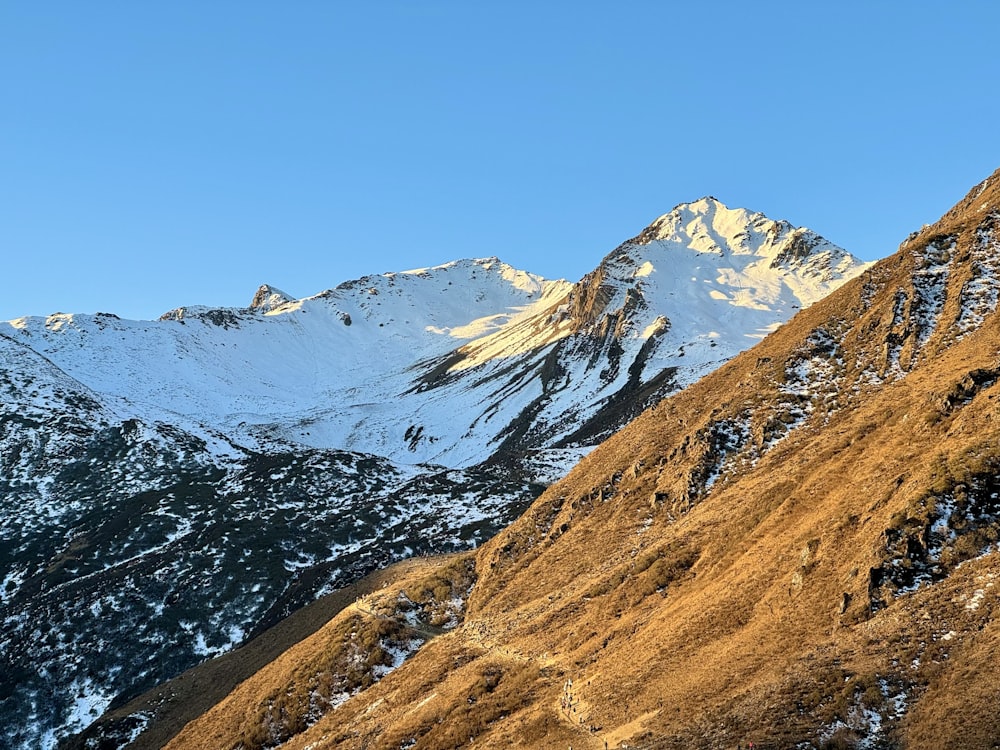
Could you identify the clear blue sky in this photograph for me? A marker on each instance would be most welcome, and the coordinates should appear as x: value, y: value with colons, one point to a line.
x: 161, y: 154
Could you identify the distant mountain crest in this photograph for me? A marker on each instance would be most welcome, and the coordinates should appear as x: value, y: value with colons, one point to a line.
x: 709, y: 226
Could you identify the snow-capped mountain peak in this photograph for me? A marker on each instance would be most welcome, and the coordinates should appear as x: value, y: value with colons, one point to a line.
x: 707, y: 225
x: 752, y: 252
x: 269, y: 298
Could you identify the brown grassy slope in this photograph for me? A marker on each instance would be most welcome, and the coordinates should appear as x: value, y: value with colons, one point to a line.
x: 736, y: 564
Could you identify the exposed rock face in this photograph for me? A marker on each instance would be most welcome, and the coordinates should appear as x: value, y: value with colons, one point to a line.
x: 268, y: 299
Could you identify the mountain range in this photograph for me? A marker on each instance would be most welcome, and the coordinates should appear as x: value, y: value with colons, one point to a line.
x: 799, y: 550
x: 171, y: 489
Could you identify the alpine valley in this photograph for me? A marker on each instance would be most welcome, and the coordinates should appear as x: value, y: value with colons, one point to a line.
x: 172, y: 489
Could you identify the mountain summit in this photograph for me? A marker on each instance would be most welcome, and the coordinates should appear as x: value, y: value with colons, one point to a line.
x: 709, y: 226
x: 176, y: 486
x: 269, y: 298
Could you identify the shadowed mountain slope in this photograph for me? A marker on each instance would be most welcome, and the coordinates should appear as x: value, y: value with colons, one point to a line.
x: 801, y: 549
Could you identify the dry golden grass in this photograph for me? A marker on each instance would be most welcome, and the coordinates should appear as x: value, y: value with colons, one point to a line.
x: 764, y: 609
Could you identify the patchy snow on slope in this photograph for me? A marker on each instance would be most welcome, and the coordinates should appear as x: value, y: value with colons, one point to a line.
x: 916, y: 311
x: 975, y: 600
x: 813, y: 378
x: 868, y: 726
x: 90, y: 702
x: 930, y: 280
x: 398, y: 654
x: 979, y: 295
x: 549, y: 465
x: 727, y: 439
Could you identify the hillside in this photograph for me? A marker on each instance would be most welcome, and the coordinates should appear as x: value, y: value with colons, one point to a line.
x: 173, y: 488
x: 798, y: 550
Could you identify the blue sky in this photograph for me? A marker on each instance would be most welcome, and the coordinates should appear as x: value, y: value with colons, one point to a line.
x: 162, y: 154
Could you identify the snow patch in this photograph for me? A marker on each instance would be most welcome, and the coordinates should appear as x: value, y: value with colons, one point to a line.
x: 980, y: 294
